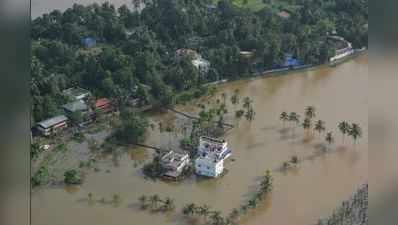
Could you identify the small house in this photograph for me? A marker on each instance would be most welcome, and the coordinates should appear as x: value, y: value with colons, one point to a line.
x: 174, y: 163
x: 103, y: 105
x: 52, y: 125
x: 77, y: 93
x: 76, y: 106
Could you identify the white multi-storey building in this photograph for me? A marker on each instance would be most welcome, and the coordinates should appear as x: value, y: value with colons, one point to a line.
x: 211, y: 155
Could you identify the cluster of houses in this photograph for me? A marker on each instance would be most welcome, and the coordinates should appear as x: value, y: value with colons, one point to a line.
x: 209, y: 161
x: 78, y: 103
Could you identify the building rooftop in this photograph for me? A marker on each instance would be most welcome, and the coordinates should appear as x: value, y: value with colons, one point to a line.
x: 76, y: 92
x: 284, y: 14
x: 174, y: 159
x: 102, y: 102
x: 212, y: 140
x: 52, y: 121
x: 185, y: 52
x: 75, y: 106
x: 212, y: 148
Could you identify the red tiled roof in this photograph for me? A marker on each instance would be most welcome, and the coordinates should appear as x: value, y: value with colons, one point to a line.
x: 101, y: 102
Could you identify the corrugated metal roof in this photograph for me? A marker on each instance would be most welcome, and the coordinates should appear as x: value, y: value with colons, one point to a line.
x: 52, y: 121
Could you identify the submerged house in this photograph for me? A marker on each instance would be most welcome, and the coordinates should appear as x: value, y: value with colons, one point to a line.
x: 211, y: 155
x: 174, y: 163
x: 52, y: 125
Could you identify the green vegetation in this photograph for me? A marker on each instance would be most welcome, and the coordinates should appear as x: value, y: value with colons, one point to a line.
x: 354, y: 130
x: 215, y: 217
x: 156, y: 204
x: 154, y: 169
x: 41, y: 177
x: 132, y: 129
x: 72, y: 177
x: 137, y: 50
x: 35, y: 150
x: 351, y: 212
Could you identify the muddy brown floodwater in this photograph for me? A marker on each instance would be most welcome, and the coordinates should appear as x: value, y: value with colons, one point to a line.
x: 300, y: 196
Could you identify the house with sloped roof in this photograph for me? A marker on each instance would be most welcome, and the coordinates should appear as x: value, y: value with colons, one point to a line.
x: 103, y: 105
x: 75, y: 106
x: 52, y: 125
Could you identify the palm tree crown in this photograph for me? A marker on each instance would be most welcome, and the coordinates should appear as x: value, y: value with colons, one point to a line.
x: 310, y: 112
x: 307, y: 123
x: 284, y: 117
x: 344, y: 128
x: 320, y: 126
x: 355, y: 131
x: 294, y: 117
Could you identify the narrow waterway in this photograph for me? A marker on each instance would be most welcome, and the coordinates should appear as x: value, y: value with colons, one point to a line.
x: 300, y: 196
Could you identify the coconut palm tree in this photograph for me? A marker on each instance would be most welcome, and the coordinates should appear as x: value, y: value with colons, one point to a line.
x: 247, y: 102
x: 204, y: 211
x: 116, y: 198
x: 295, y: 118
x: 284, y: 117
x: 224, y: 97
x: 344, y: 128
x: 252, y: 203
x: 216, y: 218
x: 189, y: 209
x: 168, y: 204
x: 143, y: 201
x: 310, y: 112
x: 235, y: 97
x: 329, y: 138
x: 234, y: 215
x: 154, y: 199
x: 90, y: 196
x: 250, y: 114
x: 355, y: 132
x: 243, y: 209
x: 307, y: 124
x: 320, y: 126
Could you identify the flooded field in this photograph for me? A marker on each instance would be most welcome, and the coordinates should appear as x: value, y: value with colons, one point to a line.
x: 300, y: 196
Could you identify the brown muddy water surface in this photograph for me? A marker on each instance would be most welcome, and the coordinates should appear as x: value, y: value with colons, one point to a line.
x: 300, y: 196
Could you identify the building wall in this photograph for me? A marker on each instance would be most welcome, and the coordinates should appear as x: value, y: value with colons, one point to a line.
x: 207, y: 167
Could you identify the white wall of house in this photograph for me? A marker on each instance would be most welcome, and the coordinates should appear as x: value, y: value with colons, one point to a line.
x: 206, y: 166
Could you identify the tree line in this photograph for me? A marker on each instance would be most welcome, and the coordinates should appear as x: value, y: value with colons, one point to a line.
x: 137, y: 48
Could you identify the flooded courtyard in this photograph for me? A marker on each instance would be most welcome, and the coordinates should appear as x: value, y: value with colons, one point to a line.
x: 300, y: 196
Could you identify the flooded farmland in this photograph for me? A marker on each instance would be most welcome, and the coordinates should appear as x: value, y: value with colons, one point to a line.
x: 300, y: 196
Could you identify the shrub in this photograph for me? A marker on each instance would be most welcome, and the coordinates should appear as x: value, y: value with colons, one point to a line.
x: 72, y: 177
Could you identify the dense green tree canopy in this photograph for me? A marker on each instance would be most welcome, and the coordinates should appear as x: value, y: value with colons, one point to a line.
x: 139, y: 48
